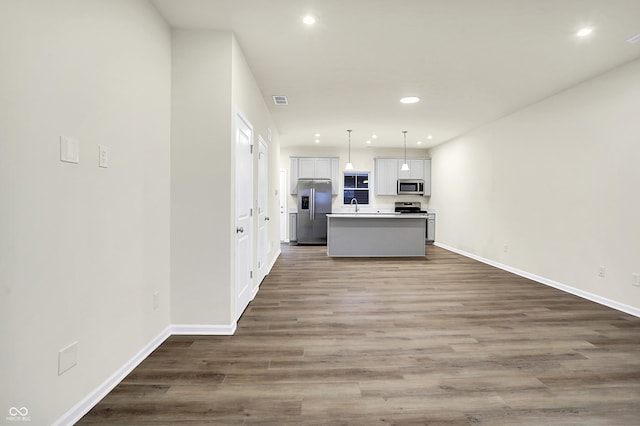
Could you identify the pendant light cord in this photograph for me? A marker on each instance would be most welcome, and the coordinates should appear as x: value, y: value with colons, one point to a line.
x: 405, y: 146
x: 350, y: 145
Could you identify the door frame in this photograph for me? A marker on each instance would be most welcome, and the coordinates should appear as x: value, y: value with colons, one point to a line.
x: 244, y: 187
x: 283, y: 205
x: 262, y: 218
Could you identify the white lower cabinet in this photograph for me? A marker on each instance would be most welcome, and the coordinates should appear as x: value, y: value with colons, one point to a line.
x: 293, y: 227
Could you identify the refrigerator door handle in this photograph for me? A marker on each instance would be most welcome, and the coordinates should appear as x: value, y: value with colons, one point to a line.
x: 312, y: 205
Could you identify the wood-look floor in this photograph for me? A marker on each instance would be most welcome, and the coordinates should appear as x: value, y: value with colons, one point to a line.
x: 441, y: 340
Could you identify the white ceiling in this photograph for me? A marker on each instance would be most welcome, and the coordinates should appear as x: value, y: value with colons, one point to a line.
x: 470, y: 61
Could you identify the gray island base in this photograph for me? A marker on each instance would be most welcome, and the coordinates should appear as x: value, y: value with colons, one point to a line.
x: 375, y: 235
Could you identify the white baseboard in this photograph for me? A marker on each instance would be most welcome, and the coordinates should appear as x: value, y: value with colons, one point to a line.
x: 273, y: 261
x: 91, y: 400
x: 546, y: 281
x: 83, y: 407
x: 203, y: 329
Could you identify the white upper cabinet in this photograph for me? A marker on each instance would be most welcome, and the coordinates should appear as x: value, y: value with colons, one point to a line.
x: 315, y: 168
x: 427, y: 177
x: 322, y: 168
x: 387, y: 173
x: 386, y: 176
x: 294, y: 173
x: 335, y: 175
x: 416, y: 169
x: 305, y: 168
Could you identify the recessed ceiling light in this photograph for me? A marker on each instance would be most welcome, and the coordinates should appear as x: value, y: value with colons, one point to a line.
x: 429, y: 137
x: 317, y: 140
x: 583, y: 32
x: 368, y: 142
x: 374, y: 136
x: 309, y: 20
x: 317, y: 135
x: 410, y: 100
x: 419, y: 142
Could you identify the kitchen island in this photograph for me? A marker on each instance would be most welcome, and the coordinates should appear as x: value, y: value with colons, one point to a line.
x: 375, y: 235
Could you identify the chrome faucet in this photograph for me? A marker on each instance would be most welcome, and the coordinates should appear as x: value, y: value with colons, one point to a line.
x: 352, y: 200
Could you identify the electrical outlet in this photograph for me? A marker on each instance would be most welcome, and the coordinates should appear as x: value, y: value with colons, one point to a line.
x: 156, y: 302
x: 635, y: 279
x: 601, y: 271
x: 505, y: 248
x: 67, y: 357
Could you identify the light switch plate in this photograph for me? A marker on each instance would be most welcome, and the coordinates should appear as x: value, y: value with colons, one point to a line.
x: 103, y: 156
x: 69, y: 150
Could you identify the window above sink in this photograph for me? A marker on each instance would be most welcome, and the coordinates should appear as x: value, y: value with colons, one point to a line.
x: 356, y: 185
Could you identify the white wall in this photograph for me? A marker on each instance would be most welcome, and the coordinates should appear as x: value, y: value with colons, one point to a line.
x: 201, y: 185
x: 211, y: 80
x: 557, y: 183
x: 82, y: 249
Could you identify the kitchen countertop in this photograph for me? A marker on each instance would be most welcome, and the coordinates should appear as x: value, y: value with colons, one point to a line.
x: 367, y: 215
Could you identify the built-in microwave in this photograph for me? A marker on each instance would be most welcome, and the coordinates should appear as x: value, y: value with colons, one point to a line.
x: 410, y: 187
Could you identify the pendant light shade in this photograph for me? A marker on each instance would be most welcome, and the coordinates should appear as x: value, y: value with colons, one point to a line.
x: 349, y: 166
x: 405, y: 165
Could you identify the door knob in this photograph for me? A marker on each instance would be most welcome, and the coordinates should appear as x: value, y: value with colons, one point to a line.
x: 267, y: 218
x: 239, y: 229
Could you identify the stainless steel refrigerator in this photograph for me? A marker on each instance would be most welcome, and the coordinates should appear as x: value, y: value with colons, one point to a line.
x: 314, y: 202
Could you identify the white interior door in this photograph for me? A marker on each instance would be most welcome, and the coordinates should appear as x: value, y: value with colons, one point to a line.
x: 263, y: 209
x: 244, y: 202
x: 283, y: 205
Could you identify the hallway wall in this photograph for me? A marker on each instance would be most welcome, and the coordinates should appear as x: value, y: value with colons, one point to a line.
x: 83, y: 249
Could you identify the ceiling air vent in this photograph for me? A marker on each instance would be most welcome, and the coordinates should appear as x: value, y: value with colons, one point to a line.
x: 280, y: 100
x: 634, y: 39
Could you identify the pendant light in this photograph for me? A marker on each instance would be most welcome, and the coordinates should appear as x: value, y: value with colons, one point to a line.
x: 405, y: 166
x: 349, y: 165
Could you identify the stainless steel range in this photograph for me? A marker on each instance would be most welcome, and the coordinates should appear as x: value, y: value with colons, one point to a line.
x: 408, y: 207
x: 414, y: 207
